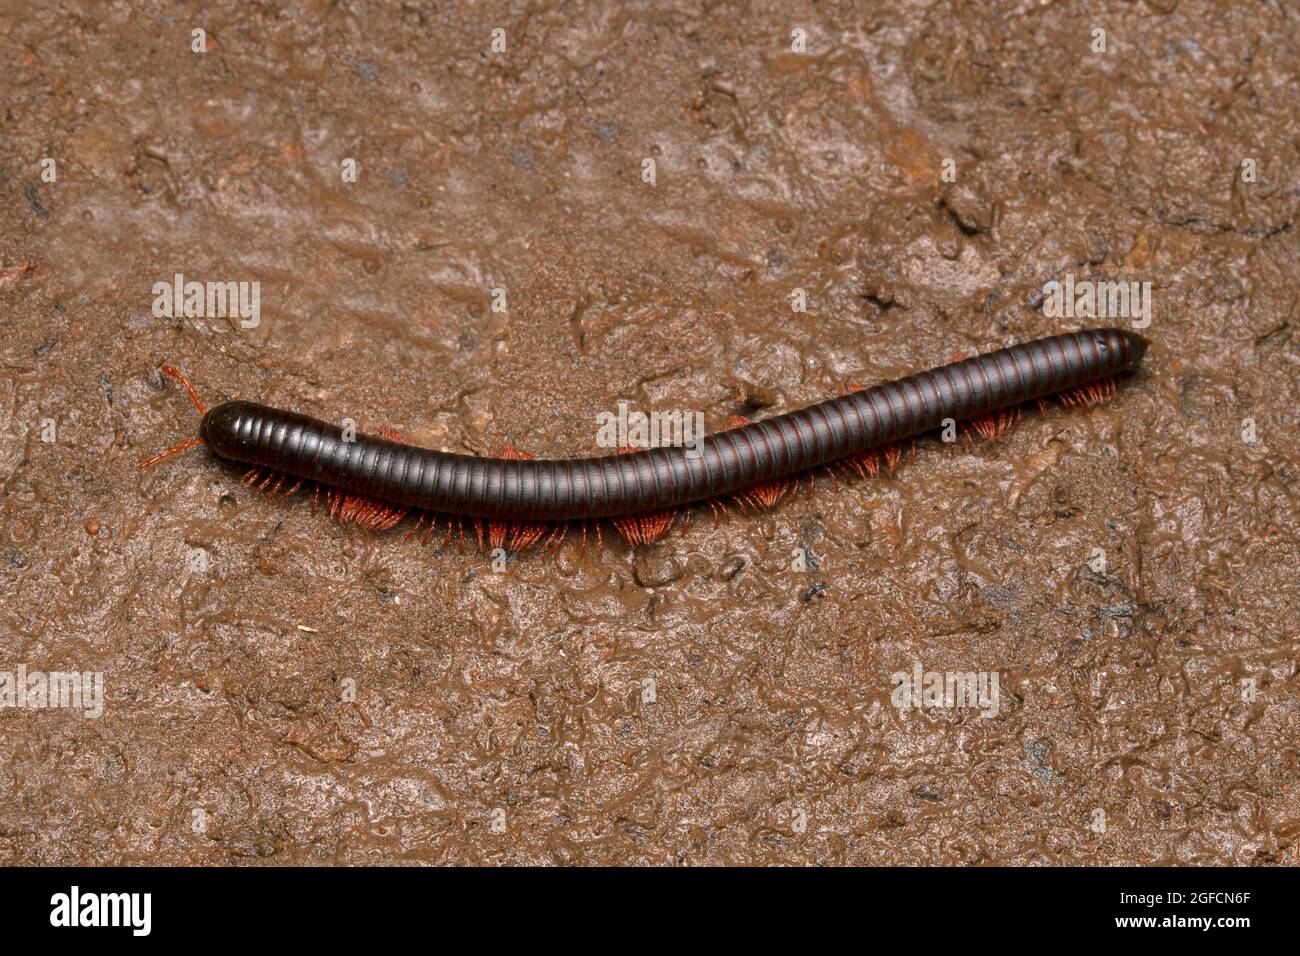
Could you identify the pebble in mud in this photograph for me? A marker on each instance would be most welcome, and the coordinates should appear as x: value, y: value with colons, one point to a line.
x: 657, y: 566
x: 972, y: 212
x: 729, y: 568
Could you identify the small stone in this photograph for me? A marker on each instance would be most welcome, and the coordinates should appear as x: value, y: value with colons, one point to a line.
x: 729, y: 568
x: 974, y: 213
x: 655, y: 567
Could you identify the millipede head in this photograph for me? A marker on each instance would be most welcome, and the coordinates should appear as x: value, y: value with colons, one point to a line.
x: 1135, y: 347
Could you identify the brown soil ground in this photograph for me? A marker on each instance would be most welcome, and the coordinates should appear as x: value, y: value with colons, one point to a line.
x: 1150, y: 710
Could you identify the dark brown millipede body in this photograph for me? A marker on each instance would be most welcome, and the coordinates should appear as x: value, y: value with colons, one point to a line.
x: 665, y: 478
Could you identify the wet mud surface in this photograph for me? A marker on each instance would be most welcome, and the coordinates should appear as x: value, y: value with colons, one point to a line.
x: 700, y: 700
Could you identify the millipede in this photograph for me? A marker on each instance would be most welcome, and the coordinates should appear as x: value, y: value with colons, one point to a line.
x: 515, y: 501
